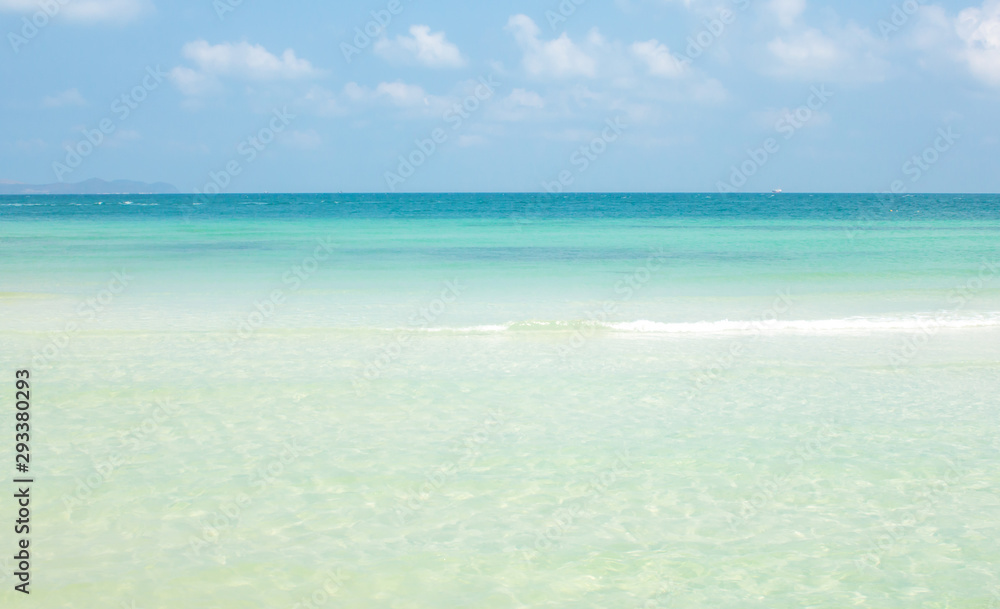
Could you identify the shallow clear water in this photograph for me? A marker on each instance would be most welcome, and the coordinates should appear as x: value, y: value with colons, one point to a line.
x: 509, y: 400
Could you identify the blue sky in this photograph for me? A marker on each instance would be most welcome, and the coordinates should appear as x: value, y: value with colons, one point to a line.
x: 582, y: 95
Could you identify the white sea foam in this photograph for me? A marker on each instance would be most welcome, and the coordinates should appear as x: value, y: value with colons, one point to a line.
x: 817, y: 326
x: 921, y: 322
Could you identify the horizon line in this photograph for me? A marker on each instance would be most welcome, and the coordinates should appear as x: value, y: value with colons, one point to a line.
x: 499, y: 192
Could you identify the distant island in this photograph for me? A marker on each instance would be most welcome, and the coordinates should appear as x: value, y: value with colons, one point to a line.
x: 88, y: 187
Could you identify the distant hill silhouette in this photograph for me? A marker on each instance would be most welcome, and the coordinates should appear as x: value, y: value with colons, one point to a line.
x: 88, y: 187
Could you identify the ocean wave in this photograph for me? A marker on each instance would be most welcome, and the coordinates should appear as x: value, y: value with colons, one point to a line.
x: 849, y: 324
x: 923, y: 322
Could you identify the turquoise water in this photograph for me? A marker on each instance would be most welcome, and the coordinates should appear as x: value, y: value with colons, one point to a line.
x: 508, y: 400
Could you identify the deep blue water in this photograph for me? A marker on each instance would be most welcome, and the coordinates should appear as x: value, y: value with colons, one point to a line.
x: 525, y: 206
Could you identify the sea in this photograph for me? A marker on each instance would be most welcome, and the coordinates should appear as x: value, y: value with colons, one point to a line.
x: 607, y: 400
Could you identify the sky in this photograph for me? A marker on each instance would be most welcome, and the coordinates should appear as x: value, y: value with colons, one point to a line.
x: 558, y: 96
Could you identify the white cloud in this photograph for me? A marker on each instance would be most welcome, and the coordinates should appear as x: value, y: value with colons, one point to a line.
x: 323, y: 102
x: 979, y: 29
x: 422, y: 47
x: 355, y: 92
x: 810, y: 50
x: 635, y: 79
x: 658, y: 58
x: 709, y: 91
x: 526, y: 99
x: 247, y: 61
x: 619, y: 66
x: 402, y: 94
x: 559, y: 58
x: 191, y: 82
x: 850, y: 54
x: 787, y: 12
x: 932, y: 30
x: 412, y: 99
x: 238, y: 61
x: 84, y: 11
x: 518, y: 105
x: 971, y: 40
x: 70, y: 97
